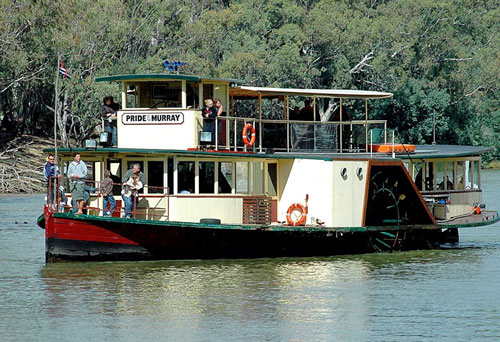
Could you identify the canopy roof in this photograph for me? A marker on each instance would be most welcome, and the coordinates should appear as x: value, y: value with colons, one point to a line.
x: 164, y: 77
x: 251, y: 92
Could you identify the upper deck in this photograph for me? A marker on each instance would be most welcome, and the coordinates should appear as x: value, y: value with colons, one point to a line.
x: 163, y: 111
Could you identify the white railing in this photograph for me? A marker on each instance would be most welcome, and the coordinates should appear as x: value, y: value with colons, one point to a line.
x: 296, y: 136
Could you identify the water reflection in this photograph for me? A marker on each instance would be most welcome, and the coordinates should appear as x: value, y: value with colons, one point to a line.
x: 298, y: 295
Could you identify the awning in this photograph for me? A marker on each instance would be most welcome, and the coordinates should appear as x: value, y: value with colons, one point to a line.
x: 253, y: 92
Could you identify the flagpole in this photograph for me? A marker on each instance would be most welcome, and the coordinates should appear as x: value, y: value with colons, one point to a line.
x: 56, y: 101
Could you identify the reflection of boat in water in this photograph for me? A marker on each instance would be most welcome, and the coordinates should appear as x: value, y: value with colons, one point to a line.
x: 286, y: 188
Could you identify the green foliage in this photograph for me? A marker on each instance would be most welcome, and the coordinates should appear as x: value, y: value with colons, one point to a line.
x: 440, y: 59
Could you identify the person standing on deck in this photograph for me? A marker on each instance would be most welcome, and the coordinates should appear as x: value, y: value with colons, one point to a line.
x: 209, y: 113
x: 51, y: 173
x: 131, y: 201
x: 106, y: 190
x: 219, y: 110
x: 77, y: 172
x: 108, y: 114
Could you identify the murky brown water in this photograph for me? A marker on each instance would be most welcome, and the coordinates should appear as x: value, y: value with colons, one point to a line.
x: 440, y: 295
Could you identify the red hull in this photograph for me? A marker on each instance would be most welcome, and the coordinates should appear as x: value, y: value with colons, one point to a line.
x: 96, y: 238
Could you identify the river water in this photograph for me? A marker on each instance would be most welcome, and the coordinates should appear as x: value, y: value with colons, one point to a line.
x: 438, y: 295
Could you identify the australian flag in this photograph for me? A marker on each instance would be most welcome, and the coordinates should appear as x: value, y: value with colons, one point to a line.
x: 63, y: 71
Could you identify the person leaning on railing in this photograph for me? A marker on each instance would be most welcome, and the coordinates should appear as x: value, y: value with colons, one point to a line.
x: 51, y: 173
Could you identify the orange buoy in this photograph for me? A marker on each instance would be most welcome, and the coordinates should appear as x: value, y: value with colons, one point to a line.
x: 250, y: 142
x: 293, y: 220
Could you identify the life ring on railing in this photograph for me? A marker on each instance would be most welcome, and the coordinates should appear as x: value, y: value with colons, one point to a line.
x: 294, y: 220
x: 247, y: 142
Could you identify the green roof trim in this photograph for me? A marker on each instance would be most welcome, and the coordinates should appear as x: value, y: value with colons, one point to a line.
x: 188, y: 153
x: 163, y: 77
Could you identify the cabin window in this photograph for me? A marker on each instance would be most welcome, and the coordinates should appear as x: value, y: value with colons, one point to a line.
x: 155, y: 177
x: 225, y: 177
x: 429, y: 176
x: 208, y: 91
x: 257, y: 178
x: 447, y: 180
x: 192, y: 98
x: 170, y: 175
x: 167, y: 95
x: 474, y: 180
x: 241, y: 177
x: 115, y: 168
x: 417, y: 175
x: 185, y: 177
x: 132, y: 96
x: 272, y: 179
x: 206, y: 177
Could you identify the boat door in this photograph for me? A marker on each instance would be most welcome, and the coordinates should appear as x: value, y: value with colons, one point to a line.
x: 114, y: 165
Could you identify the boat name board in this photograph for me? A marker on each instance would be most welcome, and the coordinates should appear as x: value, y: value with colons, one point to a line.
x: 148, y: 118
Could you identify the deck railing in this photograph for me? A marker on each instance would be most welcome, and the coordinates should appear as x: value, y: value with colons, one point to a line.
x: 297, y: 136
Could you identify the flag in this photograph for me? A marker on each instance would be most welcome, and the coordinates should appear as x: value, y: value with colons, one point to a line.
x: 63, y: 71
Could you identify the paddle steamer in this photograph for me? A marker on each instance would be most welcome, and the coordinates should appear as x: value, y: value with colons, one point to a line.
x: 265, y: 183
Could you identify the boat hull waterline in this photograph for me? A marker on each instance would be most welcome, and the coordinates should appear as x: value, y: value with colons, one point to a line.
x: 93, y: 238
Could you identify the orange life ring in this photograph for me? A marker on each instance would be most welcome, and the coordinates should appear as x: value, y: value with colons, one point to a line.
x: 247, y: 142
x: 303, y: 215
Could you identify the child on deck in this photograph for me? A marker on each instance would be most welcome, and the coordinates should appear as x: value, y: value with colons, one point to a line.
x: 130, y: 194
x: 106, y: 190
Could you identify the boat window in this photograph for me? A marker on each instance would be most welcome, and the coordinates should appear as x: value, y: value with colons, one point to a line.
x: 192, y: 98
x: 207, y: 177
x: 115, y: 167
x: 417, y: 174
x: 272, y: 179
x: 257, y: 178
x: 474, y: 172
x: 225, y: 177
x: 170, y: 175
x: 241, y: 177
x: 429, y: 176
x: 446, y: 178
x: 208, y: 91
x: 185, y: 177
x: 155, y: 177
x: 132, y: 96
x: 460, y: 175
x: 167, y: 95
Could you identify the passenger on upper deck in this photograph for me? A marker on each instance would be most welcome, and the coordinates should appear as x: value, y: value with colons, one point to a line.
x: 108, y: 114
x: 307, y: 112
x: 219, y: 110
x: 295, y: 114
x: 209, y: 112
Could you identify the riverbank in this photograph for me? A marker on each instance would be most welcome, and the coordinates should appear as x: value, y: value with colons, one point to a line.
x: 21, y: 163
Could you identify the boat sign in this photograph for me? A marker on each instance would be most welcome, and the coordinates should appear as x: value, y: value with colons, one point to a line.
x: 156, y: 118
